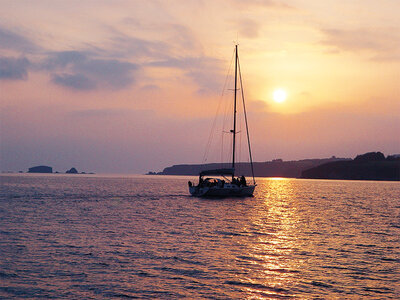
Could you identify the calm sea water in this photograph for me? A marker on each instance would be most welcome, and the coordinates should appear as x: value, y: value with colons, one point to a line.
x: 85, y: 236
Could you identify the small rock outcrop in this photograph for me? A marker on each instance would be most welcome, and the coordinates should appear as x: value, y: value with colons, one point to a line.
x: 40, y: 169
x: 72, y: 171
x: 370, y: 156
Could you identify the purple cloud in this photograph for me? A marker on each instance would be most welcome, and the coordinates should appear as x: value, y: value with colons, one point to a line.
x: 13, y: 68
x: 74, y: 81
x: 82, y: 70
x: 13, y: 41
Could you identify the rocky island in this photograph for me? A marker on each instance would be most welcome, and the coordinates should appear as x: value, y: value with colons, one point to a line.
x: 49, y: 170
x: 72, y: 171
x: 40, y: 169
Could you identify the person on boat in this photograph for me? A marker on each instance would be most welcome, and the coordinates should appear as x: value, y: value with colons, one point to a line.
x: 242, y: 181
x: 190, y: 183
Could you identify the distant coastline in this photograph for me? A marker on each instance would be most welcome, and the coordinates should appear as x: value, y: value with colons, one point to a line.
x: 368, y: 166
x: 274, y: 168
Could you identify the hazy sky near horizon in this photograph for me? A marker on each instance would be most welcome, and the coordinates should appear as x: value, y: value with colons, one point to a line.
x: 133, y: 86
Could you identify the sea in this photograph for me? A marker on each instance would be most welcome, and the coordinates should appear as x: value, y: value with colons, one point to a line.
x: 144, y: 237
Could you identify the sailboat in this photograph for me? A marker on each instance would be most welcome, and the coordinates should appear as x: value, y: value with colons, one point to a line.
x: 226, y: 184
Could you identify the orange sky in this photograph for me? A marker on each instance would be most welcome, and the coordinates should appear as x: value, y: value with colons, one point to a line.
x: 132, y: 86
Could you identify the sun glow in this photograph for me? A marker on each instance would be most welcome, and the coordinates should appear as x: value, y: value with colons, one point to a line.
x: 279, y: 95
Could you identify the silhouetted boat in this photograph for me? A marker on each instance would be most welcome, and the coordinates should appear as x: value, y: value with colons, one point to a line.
x: 223, y: 186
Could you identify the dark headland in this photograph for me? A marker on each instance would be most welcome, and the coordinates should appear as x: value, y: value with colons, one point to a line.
x: 274, y: 168
x: 368, y: 166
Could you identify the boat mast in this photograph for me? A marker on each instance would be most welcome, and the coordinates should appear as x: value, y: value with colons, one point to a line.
x: 245, y: 118
x: 234, y: 113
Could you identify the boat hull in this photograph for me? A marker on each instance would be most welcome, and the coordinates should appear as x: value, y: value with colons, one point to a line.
x: 221, y: 192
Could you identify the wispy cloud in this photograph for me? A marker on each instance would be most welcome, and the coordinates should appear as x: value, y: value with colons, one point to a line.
x: 74, y: 81
x: 248, y: 28
x: 183, y: 36
x: 204, y: 71
x: 111, y: 112
x: 81, y: 70
x: 11, y: 40
x: 63, y: 59
x: 150, y: 88
x: 263, y: 4
x: 14, y: 68
x: 382, y: 44
x: 122, y: 45
x: 114, y: 64
x: 171, y: 39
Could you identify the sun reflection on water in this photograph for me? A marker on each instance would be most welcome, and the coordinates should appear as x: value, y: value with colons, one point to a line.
x: 269, y: 265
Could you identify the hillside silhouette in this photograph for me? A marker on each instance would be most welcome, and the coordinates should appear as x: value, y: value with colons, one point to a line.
x: 275, y: 168
x: 368, y: 166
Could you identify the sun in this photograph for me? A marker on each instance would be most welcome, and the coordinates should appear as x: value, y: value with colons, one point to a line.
x: 279, y: 95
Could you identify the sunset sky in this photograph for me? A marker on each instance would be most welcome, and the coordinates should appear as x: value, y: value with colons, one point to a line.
x: 133, y: 86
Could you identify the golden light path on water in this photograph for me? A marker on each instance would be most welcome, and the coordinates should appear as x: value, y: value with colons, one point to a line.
x: 315, y: 243
x: 270, y: 255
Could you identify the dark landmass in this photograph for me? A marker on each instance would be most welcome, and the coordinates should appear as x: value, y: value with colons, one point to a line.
x: 40, y: 169
x: 368, y: 166
x: 46, y: 169
x: 72, y: 171
x: 275, y: 168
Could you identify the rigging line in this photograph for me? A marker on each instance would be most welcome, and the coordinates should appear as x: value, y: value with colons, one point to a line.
x: 239, y: 141
x: 227, y: 115
x: 210, y: 137
x: 226, y: 126
x: 247, y: 127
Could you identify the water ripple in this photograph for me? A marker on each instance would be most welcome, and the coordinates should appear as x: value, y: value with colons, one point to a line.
x: 89, y: 237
